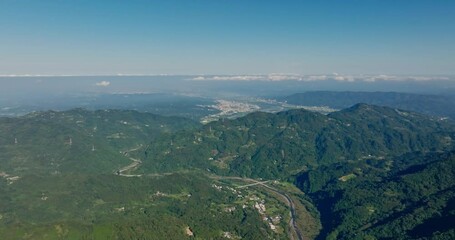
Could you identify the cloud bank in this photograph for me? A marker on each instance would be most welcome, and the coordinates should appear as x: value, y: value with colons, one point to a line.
x: 308, y: 78
x: 103, y: 84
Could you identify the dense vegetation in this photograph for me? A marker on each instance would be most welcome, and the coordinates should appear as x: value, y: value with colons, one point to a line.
x: 411, y: 196
x: 280, y: 145
x: 58, y: 142
x: 368, y: 172
x: 341, y: 160
x: 77, y: 206
x: 52, y: 187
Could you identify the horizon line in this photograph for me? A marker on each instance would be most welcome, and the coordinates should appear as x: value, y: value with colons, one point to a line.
x: 224, y: 74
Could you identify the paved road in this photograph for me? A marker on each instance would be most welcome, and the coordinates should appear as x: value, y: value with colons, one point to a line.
x: 289, y: 202
x: 134, y: 164
x: 254, y: 184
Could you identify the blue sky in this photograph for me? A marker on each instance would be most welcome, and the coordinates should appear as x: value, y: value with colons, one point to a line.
x: 78, y: 37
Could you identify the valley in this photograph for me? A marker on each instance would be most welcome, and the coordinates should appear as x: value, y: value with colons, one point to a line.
x: 285, y: 175
x: 227, y: 120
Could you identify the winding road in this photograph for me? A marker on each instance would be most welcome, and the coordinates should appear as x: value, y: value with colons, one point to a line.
x: 293, y: 228
x: 289, y: 202
x: 135, y: 163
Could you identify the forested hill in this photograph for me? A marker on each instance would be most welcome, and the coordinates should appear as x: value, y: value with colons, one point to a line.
x: 406, y: 197
x: 436, y: 105
x: 372, y: 172
x: 280, y: 145
x: 78, y: 140
x: 368, y: 172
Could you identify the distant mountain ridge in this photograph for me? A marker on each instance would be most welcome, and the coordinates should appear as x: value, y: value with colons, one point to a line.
x: 372, y: 172
x: 279, y: 145
x: 436, y: 105
x: 367, y: 171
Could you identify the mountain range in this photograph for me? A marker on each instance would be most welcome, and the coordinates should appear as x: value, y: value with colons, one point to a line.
x: 365, y: 172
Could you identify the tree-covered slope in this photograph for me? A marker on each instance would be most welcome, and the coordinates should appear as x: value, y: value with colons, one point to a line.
x: 372, y: 173
x: 106, y: 206
x: 55, y: 185
x: 406, y: 197
x: 280, y: 145
x: 78, y: 140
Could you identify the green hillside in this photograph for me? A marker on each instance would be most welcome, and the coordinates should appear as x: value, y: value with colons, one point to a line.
x: 366, y: 172
x: 363, y: 150
x: 407, y: 197
x: 78, y: 140
x: 80, y: 206
x: 55, y: 185
x: 281, y: 145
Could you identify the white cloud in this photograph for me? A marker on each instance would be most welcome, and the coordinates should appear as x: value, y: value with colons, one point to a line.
x: 229, y: 78
x: 316, y: 78
x: 103, y: 84
x: 199, y: 78
x: 345, y: 78
x: 270, y: 77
